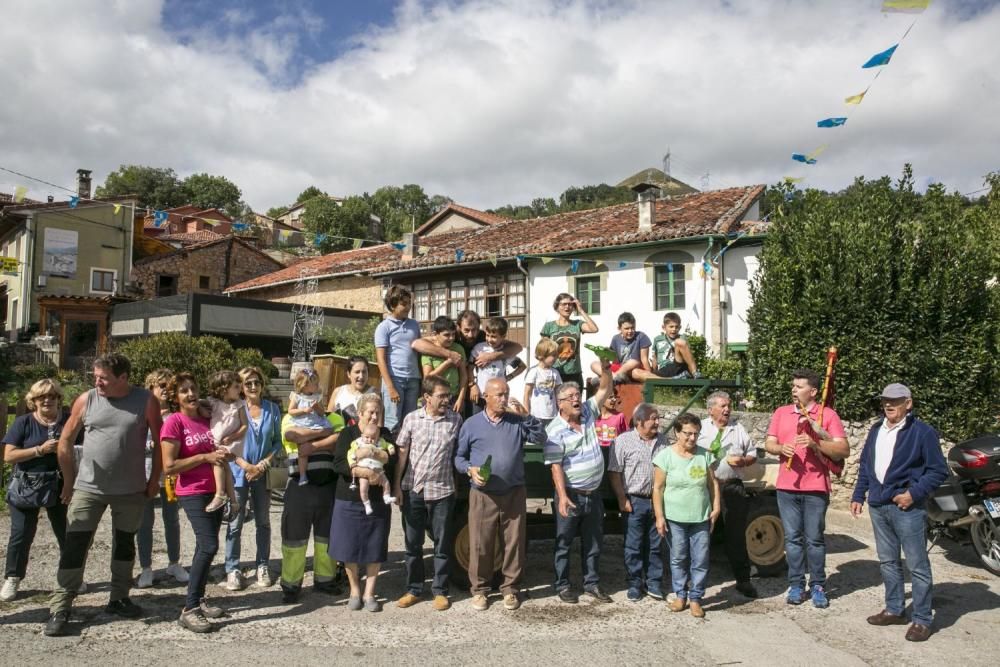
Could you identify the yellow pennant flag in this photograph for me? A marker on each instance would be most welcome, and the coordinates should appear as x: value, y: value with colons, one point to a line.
x: 598, y: 264
x: 794, y: 179
x: 19, y: 193
x: 493, y: 258
x: 546, y: 260
x: 118, y: 209
x: 904, y: 6
x: 423, y: 250
x: 816, y: 153
x: 357, y: 243
x: 855, y: 99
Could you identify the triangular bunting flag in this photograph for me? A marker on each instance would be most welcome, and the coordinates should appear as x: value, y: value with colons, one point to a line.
x: 816, y: 153
x: 159, y: 217
x: 459, y: 254
x: 832, y: 122
x: 880, y: 59
x: 240, y: 226
x: 546, y: 260
x: 118, y: 209
x: 856, y: 99
x: 521, y: 258
x: 598, y: 264
x: 73, y: 201
x: 318, y: 241
x: 357, y: 243
x: 794, y: 179
x: 423, y: 250
x: 622, y: 265
x: 399, y: 246
x: 493, y: 258
x: 904, y: 6
x: 799, y: 157
x: 20, y: 192
x: 574, y: 265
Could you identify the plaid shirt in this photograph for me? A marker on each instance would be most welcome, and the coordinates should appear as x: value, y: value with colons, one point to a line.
x: 430, y: 442
x: 632, y: 456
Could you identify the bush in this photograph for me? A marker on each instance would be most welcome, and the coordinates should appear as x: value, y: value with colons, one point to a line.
x: 903, y: 284
x: 356, y: 339
x: 709, y: 365
x: 202, y: 356
x: 22, y: 376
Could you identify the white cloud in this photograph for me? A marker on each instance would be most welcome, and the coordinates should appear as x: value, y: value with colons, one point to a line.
x: 501, y: 102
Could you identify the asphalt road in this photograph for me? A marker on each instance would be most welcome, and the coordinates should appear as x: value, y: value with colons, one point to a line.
x: 736, y: 631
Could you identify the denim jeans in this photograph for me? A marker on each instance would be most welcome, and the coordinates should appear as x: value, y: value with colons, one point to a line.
x: 23, y: 524
x: 420, y: 513
x: 643, y: 547
x: 587, y: 520
x: 689, y: 558
x: 206, y: 544
x: 171, y: 530
x: 257, y: 491
x: 409, y: 392
x: 895, y: 528
x: 803, y: 517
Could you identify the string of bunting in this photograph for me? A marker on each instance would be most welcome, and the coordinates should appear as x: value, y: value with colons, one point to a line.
x: 877, y: 62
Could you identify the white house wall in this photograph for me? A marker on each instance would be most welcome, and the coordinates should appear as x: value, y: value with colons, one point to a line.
x: 740, y: 266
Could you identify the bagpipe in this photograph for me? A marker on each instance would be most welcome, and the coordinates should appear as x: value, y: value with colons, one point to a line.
x: 816, y: 432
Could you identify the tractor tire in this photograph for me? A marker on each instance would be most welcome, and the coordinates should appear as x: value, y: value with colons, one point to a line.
x: 765, y: 536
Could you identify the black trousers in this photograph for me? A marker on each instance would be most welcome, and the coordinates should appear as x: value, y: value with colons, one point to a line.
x: 206, y: 527
x: 23, y: 524
x: 735, y: 505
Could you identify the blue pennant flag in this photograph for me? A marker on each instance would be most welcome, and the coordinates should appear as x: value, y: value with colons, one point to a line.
x: 159, y: 217
x: 318, y: 241
x: 574, y: 266
x: 622, y: 265
x: 459, y: 254
x: 670, y: 267
x: 73, y: 201
x: 799, y: 157
x: 880, y: 59
x: 521, y: 258
x: 789, y: 196
x: 832, y: 122
x: 399, y: 246
x: 240, y: 226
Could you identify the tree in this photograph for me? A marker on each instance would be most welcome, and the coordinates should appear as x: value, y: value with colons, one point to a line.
x: 207, y: 191
x: 309, y: 193
x: 152, y: 186
x: 401, y: 209
x: 276, y: 211
x: 330, y: 225
x: 903, y: 284
x: 572, y: 199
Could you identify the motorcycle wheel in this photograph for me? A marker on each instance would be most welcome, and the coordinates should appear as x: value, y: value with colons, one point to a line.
x: 986, y: 544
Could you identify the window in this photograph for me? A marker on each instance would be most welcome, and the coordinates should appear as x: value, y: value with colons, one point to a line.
x: 588, y: 291
x: 102, y: 281
x: 500, y: 295
x: 166, y: 285
x: 669, y: 287
x: 204, y: 282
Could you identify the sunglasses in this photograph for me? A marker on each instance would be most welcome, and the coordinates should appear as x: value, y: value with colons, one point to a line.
x: 252, y: 383
x: 50, y: 397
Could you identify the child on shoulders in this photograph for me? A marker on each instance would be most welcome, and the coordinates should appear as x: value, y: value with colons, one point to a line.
x: 542, y: 382
x: 496, y: 336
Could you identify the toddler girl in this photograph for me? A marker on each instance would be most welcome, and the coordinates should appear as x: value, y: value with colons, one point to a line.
x: 305, y: 405
x: 229, y: 424
x: 367, y: 458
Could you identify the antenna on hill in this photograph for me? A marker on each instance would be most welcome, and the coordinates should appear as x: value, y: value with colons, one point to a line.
x: 666, y: 162
x: 705, y: 179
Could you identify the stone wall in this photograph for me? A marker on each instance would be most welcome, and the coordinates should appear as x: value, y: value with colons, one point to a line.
x: 210, y: 261
x: 348, y: 292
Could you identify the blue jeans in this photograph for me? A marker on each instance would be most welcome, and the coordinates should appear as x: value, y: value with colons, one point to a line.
x: 803, y: 518
x: 409, y: 392
x: 171, y: 530
x: 587, y: 519
x: 256, y: 490
x: 420, y: 513
x: 206, y: 544
x: 689, y: 558
x: 895, y: 528
x: 643, y: 547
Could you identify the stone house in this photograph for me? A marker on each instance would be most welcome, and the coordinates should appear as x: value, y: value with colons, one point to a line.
x: 209, y: 267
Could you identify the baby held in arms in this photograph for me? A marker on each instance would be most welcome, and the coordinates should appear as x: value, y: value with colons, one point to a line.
x: 367, y: 458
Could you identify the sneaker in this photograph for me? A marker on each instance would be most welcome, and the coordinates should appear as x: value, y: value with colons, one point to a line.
x: 480, y: 602
x: 441, y: 603
x: 9, y: 590
x: 194, y: 620
x: 819, y: 597
x: 56, y: 626
x: 408, y: 600
x: 234, y: 581
x: 795, y: 595
x: 177, y: 571
x: 211, y: 611
x: 654, y: 593
x: 511, y: 602
x: 355, y: 604
x: 145, y: 579
x: 218, y: 502
x: 124, y: 608
x: 373, y: 605
x: 597, y: 594
x: 633, y: 594
x: 264, y: 579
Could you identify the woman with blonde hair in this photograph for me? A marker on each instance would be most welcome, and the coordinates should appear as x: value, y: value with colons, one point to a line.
x: 30, y: 446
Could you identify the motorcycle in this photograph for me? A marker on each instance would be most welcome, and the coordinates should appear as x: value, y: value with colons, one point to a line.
x: 967, y: 506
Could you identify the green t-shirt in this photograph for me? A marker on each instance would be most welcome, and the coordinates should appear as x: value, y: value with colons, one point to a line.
x: 568, y: 340
x: 451, y: 375
x: 663, y: 350
x: 686, y: 498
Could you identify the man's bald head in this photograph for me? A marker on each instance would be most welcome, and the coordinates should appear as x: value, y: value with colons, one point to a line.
x: 496, y: 394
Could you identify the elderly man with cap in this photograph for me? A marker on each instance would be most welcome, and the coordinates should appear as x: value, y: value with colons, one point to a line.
x: 901, y: 464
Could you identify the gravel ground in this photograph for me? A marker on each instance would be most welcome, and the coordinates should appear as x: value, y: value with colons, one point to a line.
x: 735, y: 631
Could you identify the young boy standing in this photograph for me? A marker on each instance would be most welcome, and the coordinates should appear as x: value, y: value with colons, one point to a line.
x: 396, y: 362
x: 542, y: 382
x: 671, y: 353
x: 455, y: 375
x: 632, y: 348
x: 496, y: 336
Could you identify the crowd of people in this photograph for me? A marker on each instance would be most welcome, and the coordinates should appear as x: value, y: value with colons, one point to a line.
x: 445, y: 413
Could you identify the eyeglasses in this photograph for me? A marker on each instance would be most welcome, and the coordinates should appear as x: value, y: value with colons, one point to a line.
x: 690, y: 434
x: 162, y: 385
x: 49, y: 397
x: 252, y: 383
x: 571, y: 397
x: 441, y: 397
x: 567, y: 303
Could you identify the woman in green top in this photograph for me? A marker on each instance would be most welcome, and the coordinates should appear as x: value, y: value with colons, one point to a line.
x: 566, y: 333
x: 686, y: 503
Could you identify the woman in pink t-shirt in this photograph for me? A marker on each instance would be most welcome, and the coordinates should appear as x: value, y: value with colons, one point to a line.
x: 189, y: 453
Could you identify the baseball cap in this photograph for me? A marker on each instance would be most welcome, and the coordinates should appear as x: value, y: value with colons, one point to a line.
x: 896, y: 390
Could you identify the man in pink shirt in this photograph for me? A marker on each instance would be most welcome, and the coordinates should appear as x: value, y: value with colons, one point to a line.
x: 804, y: 485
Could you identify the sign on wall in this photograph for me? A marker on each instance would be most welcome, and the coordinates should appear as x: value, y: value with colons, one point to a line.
x: 8, y: 266
x: 61, y: 247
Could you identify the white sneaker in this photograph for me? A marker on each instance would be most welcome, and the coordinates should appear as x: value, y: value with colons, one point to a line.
x: 177, y: 571
x: 264, y: 576
x: 145, y: 578
x: 82, y: 589
x: 234, y: 581
x: 9, y: 590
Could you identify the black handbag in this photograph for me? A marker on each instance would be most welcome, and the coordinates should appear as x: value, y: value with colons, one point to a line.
x: 32, y: 490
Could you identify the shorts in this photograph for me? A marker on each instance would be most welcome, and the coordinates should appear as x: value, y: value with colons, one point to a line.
x: 673, y: 370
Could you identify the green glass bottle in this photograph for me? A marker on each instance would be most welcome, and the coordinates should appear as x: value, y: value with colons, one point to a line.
x: 486, y: 469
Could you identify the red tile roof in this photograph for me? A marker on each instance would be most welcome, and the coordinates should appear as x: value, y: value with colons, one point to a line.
x: 187, y: 249
x: 188, y: 238
x: 471, y: 213
x: 717, y: 212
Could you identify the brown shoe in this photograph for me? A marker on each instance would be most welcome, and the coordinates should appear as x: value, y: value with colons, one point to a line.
x: 678, y: 604
x: 408, y: 600
x: 441, y: 603
x: 918, y: 633
x: 885, y: 618
x: 696, y: 609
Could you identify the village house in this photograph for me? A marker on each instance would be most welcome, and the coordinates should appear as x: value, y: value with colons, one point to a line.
x: 694, y: 254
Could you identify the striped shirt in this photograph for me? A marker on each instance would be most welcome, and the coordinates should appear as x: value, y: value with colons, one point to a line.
x: 430, y: 442
x: 578, y: 452
x: 632, y: 456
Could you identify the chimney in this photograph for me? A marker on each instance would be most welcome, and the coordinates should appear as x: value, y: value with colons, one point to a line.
x: 410, y: 251
x: 647, y: 205
x: 83, y: 183
x: 51, y: 198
